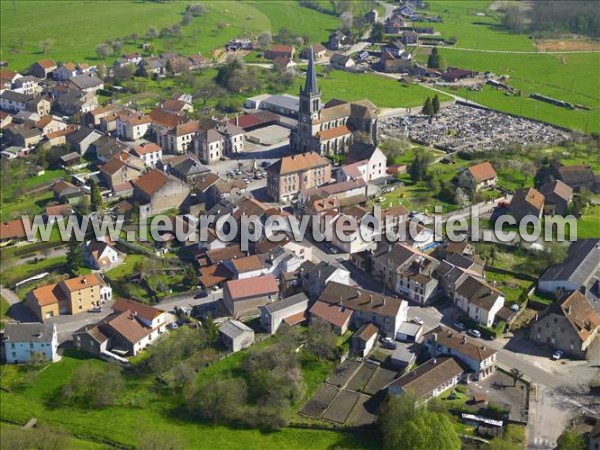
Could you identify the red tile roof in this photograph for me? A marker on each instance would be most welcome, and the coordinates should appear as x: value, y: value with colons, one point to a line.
x: 13, y: 229
x: 252, y: 287
x: 332, y: 313
x: 151, y: 181
x: 482, y: 172
x: 144, y: 311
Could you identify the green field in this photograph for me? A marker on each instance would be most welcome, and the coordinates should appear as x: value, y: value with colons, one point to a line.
x: 76, y: 27
x: 382, y: 91
x: 572, y: 78
x: 143, y: 406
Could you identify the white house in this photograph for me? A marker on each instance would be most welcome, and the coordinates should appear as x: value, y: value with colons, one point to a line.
x: 24, y: 342
x: 150, y: 153
x: 478, y: 177
x: 132, y: 126
x: 354, y: 236
x: 99, y: 254
x: 370, y: 156
x: 479, y: 300
x: 481, y: 359
x: 290, y: 310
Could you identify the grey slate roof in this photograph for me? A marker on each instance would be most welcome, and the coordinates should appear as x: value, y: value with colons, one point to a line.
x: 310, y: 86
x: 582, y: 262
x: 286, y: 303
x: 15, y: 96
x: 409, y: 328
x: 284, y: 101
x: 28, y: 332
x: 234, y: 328
x: 86, y: 81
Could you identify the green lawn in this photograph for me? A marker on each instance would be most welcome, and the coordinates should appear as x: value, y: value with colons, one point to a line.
x: 22, y: 271
x: 145, y: 406
x: 588, y: 225
x: 510, y: 286
x: 382, y: 91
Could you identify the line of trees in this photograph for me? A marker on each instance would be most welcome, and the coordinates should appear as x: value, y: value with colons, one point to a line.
x: 545, y: 16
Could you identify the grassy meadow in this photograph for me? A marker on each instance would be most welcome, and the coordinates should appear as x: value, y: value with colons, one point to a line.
x: 571, y: 77
x: 145, y: 407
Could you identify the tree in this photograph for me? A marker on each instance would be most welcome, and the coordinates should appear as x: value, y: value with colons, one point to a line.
x: 461, y: 198
x: 515, y: 375
x: 513, y: 19
x: 74, y: 255
x: 433, y: 60
x: 209, y: 89
x: 95, y: 197
x: 321, y: 341
x: 435, y: 105
x: 570, y: 440
x: 152, y: 32
x: 196, y: 10
x: 346, y: 20
x: 443, y: 65
x: 186, y: 19
x: 117, y: 46
x: 94, y: 386
x: 427, y: 107
x: 405, y: 427
x: 104, y: 50
x: 264, y: 40
x: 190, y: 277
x: 210, y: 330
x: 46, y: 45
x: 377, y: 32
x: 418, y: 168
x: 218, y: 399
x: 134, y: 37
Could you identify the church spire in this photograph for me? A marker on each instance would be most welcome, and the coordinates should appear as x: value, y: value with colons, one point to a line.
x: 310, y: 87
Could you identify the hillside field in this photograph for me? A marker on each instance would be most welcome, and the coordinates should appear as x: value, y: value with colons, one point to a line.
x: 569, y: 77
x: 76, y: 27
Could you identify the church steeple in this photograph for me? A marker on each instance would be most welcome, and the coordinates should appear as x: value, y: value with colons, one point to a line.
x: 310, y: 86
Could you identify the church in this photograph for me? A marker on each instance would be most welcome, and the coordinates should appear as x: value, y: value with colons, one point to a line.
x: 329, y: 129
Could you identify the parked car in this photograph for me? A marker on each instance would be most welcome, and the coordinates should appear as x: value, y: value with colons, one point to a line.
x: 172, y: 326
x: 96, y: 310
x: 474, y: 333
x: 418, y: 320
x: 514, y: 307
x: 388, y: 343
x: 203, y: 293
x: 558, y: 354
x: 333, y: 250
x: 265, y: 164
x: 459, y: 326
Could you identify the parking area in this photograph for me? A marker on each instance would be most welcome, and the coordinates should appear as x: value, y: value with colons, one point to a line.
x: 498, y: 388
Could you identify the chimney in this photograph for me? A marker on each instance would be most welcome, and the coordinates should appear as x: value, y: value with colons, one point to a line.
x: 434, y: 360
x: 84, y: 280
x: 569, y: 310
x: 434, y: 335
x: 371, y: 298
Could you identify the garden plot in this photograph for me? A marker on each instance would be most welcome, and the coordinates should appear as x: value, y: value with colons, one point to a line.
x: 320, y: 401
x: 341, y: 407
x: 362, y: 377
x: 342, y: 374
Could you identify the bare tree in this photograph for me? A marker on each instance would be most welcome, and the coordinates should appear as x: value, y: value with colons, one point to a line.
x: 46, y: 45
